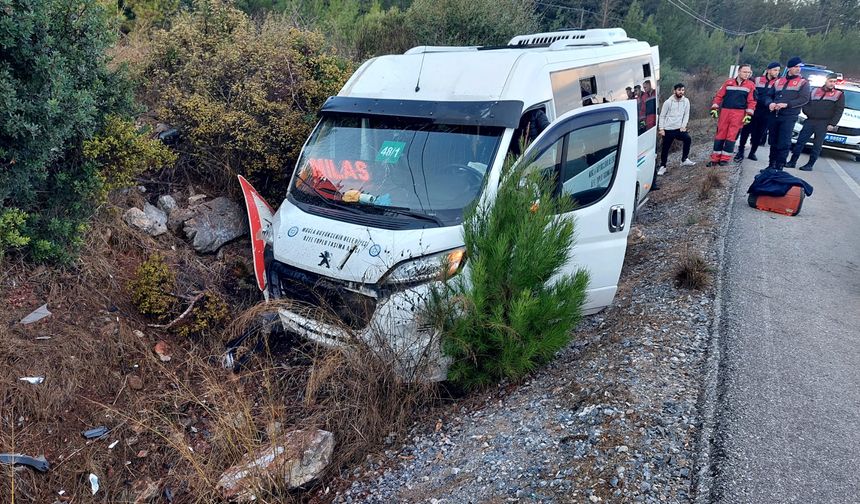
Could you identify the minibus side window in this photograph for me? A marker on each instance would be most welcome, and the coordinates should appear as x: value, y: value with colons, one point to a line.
x: 590, y: 161
x: 588, y: 89
x: 549, y: 162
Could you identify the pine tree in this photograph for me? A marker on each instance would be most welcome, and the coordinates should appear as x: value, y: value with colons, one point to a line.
x: 508, y: 313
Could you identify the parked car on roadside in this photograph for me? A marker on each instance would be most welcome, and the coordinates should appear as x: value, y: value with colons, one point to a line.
x: 846, y: 137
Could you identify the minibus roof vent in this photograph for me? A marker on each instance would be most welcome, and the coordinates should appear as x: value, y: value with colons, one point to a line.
x: 568, y: 38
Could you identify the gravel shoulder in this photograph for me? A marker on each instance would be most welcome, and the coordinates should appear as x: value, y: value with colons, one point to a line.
x: 616, y: 417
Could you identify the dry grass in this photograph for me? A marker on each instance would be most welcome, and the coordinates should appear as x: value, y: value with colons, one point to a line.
x: 693, y: 271
x: 711, y: 181
x: 187, y: 420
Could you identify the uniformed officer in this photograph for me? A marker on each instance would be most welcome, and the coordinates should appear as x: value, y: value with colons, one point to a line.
x: 823, y: 113
x: 786, y: 97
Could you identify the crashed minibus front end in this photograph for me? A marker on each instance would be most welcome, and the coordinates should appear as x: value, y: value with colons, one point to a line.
x: 373, y: 217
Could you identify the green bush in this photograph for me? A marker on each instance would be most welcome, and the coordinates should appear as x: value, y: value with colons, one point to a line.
x: 383, y: 32
x: 131, y: 14
x: 244, y: 95
x: 470, y: 22
x: 11, y: 224
x: 506, y: 317
x: 55, y: 90
x: 123, y: 152
x: 207, y: 318
x: 152, y: 286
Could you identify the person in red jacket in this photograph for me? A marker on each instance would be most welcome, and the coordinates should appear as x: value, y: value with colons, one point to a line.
x: 734, y: 105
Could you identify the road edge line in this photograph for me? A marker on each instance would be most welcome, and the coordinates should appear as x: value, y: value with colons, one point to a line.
x: 707, y: 403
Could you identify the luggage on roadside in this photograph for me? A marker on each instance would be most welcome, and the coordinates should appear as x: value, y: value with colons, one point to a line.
x: 789, y: 204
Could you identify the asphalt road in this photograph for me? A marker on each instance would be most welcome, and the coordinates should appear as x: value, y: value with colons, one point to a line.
x: 788, y: 408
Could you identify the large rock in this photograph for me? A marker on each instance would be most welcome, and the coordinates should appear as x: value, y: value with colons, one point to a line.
x: 150, y: 220
x: 215, y: 223
x: 167, y: 203
x: 298, y: 459
x: 177, y: 218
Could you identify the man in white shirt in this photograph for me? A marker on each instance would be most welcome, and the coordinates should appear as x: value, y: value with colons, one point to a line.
x: 673, y: 125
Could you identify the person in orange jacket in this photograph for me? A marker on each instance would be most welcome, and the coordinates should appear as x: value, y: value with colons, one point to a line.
x: 734, y: 105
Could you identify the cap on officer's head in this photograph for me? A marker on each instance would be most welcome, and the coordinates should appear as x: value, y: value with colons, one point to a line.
x: 832, y: 75
x: 795, y: 61
x: 773, y: 64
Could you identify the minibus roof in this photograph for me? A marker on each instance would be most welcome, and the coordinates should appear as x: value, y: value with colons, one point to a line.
x: 517, y: 72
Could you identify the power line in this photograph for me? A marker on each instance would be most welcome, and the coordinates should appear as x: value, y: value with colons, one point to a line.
x: 578, y: 9
x: 707, y: 22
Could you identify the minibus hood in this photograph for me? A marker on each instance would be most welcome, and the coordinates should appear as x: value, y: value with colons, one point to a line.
x: 352, y: 252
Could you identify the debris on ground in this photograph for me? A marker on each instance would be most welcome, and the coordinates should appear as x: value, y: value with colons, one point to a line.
x: 163, y: 350
x: 299, y: 458
x: 94, y: 483
x: 36, y: 315
x: 96, y: 432
x: 39, y: 463
x: 33, y: 380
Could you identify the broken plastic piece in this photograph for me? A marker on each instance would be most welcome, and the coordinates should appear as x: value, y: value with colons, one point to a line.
x: 95, y: 432
x: 94, y: 483
x: 110, y: 446
x: 36, y: 315
x: 266, y: 321
x: 38, y: 463
x: 35, y: 380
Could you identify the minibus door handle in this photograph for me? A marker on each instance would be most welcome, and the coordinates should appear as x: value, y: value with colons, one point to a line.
x: 616, y: 218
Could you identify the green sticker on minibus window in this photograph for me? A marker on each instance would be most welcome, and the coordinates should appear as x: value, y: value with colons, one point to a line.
x: 390, y: 151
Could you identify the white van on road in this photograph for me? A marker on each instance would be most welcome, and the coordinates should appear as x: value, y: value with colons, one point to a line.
x: 376, y: 202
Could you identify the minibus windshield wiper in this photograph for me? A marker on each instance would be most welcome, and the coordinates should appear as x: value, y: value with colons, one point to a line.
x: 412, y: 213
x: 329, y: 202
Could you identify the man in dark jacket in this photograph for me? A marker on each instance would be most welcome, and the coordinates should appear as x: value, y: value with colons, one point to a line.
x: 757, y: 129
x: 823, y: 113
x: 786, y: 97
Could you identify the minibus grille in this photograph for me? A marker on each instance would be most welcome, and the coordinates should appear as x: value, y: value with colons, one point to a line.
x: 350, y: 308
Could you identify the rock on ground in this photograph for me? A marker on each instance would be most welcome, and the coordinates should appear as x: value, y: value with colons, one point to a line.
x: 299, y: 458
x: 215, y: 223
x: 150, y: 220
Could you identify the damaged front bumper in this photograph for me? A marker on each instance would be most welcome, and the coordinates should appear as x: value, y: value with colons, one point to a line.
x: 334, y: 314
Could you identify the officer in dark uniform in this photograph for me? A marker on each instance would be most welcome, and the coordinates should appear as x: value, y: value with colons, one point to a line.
x: 786, y: 97
x: 823, y: 113
x: 757, y: 129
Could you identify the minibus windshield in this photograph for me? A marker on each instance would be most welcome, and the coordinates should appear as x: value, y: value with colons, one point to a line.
x: 398, y: 167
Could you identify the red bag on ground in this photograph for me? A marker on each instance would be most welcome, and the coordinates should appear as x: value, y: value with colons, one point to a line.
x: 786, y: 205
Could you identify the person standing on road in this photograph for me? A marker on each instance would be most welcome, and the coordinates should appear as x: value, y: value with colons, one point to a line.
x: 734, y: 105
x: 758, y: 127
x: 823, y: 113
x: 785, y: 99
x: 673, y: 126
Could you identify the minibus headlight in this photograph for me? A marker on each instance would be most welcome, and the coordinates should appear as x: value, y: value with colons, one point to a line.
x: 439, y: 266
